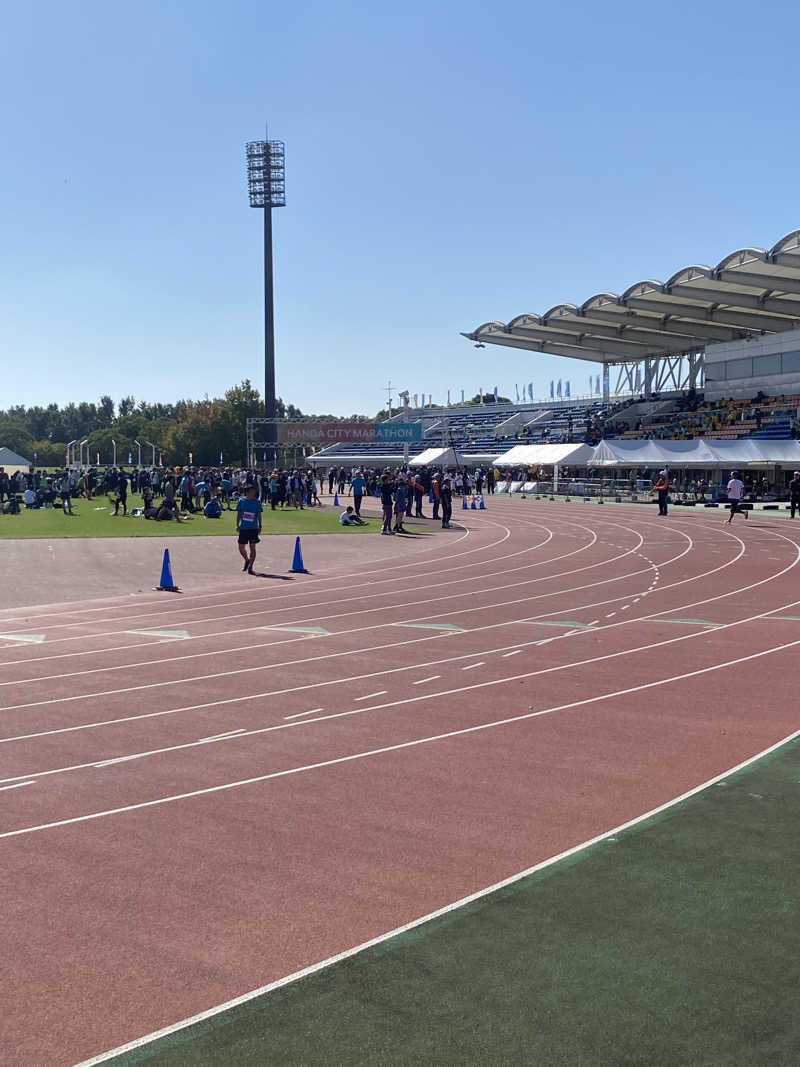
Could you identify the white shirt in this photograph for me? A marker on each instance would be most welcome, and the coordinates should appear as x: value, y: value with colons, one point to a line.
x: 735, y: 489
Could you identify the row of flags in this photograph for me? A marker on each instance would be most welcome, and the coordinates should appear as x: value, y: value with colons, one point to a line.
x: 524, y: 392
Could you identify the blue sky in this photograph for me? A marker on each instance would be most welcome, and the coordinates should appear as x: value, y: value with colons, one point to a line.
x: 447, y: 164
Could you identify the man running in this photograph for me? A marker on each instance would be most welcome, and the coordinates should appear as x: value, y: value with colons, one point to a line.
x: 248, y: 526
x: 735, y: 494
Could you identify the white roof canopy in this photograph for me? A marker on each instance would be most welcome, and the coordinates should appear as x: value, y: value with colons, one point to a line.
x: 569, y: 455
x: 751, y: 291
x: 698, y: 453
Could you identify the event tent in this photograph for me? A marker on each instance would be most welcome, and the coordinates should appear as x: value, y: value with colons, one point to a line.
x: 12, y: 461
x: 562, y: 455
x: 699, y: 453
x: 448, y: 457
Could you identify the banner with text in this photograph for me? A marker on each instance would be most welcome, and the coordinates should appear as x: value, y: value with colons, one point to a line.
x: 330, y: 433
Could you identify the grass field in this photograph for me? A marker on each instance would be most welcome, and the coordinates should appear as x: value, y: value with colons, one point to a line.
x: 673, y: 944
x: 95, y: 518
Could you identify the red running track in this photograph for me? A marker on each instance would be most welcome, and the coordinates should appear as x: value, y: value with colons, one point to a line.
x: 185, y: 820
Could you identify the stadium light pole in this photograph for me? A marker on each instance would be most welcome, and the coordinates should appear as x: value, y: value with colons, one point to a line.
x: 266, y: 185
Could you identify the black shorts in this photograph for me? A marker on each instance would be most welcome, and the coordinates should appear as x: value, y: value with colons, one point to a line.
x: 249, y: 537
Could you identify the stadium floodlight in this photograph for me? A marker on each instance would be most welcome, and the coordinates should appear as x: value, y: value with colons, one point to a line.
x: 266, y: 185
x: 154, y: 451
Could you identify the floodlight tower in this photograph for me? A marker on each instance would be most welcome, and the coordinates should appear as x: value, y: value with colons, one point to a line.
x: 266, y: 184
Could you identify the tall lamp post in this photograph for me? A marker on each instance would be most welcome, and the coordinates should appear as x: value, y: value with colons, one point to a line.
x: 154, y: 450
x: 266, y: 185
x: 139, y: 461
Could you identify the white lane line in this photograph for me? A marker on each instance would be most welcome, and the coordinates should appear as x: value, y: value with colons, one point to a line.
x: 414, y: 700
x: 125, y: 759
x: 16, y: 785
x: 356, y: 950
x: 453, y: 906
x: 399, y: 747
x: 515, y: 652
x: 369, y: 696
x: 432, y: 678
x: 472, y: 666
x: 299, y: 714
x: 196, y: 707
x: 226, y: 733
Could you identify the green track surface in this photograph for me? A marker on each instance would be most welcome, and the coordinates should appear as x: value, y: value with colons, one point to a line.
x: 674, y: 945
x: 95, y: 518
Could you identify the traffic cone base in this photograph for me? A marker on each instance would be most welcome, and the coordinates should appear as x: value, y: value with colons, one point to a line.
x: 473, y: 505
x: 463, y: 503
x: 167, y: 585
x: 298, y: 567
x: 336, y: 500
x: 482, y: 505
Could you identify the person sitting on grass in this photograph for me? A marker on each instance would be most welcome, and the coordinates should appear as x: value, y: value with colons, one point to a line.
x: 349, y: 518
x: 168, y: 510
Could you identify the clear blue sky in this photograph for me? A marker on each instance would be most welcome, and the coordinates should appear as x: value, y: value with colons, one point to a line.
x: 446, y: 164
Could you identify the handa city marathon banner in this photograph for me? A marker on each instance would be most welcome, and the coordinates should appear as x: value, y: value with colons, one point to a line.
x: 329, y: 433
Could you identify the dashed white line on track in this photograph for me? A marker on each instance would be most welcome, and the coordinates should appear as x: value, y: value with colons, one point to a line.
x: 472, y: 666
x: 226, y: 733
x: 516, y: 652
x: 369, y: 696
x: 432, y: 678
x: 299, y: 714
x: 16, y: 785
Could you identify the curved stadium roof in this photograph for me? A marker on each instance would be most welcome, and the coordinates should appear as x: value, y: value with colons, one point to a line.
x: 751, y: 291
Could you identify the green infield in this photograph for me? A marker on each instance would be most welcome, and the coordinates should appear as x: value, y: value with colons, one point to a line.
x: 672, y: 944
x: 95, y: 518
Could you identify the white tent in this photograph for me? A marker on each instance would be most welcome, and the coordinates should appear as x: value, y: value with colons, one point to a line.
x: 12, y: 461
x: 447, y: 457
x: 563, y: 455
x: 700, y: 453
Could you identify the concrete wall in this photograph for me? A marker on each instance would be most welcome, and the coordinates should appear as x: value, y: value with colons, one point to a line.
x: 740, y: 369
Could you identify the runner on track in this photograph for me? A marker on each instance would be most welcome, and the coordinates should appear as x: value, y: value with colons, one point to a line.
x: 735, y: 493
x: 248, y: 526
x: 662, y: 488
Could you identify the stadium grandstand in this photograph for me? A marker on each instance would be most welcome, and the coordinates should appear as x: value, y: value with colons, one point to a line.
x: 711, y: 355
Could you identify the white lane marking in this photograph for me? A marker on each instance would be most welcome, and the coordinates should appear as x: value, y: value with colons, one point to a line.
x: 472, y: 666
x: 299, y: 714
x: 23, y: 639
x: 432, y: 678
x: 514, y: 652
x: 412, y: 564
x: 369, y: 696
x: 16, y: 785
x: 232, y: 700
x: 400, y: 746
x: 365, y: 628
x: 406, y: 700
x: 227, y: 733
x: 126, y: 759
x: 356, y: 950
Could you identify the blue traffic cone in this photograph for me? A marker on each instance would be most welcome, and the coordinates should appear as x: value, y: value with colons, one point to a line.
x: 431, y: 498
x: 298, y: 567
x: 167, y: 584
x: 464, y: 503
x: 482, y: 505
x: 377, y: 490
x: 473, y: 505
x: 336, y: 500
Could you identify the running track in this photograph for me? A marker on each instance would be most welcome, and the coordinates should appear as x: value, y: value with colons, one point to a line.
x: 155, y: 863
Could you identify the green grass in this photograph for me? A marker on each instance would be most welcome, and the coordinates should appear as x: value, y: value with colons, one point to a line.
x: 88, y: 521
x: 673, y: 945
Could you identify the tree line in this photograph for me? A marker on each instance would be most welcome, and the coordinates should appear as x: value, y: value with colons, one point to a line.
x: 203, y: 428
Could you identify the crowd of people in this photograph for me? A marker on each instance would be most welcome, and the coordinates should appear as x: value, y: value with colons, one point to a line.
x: 177, y: 493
